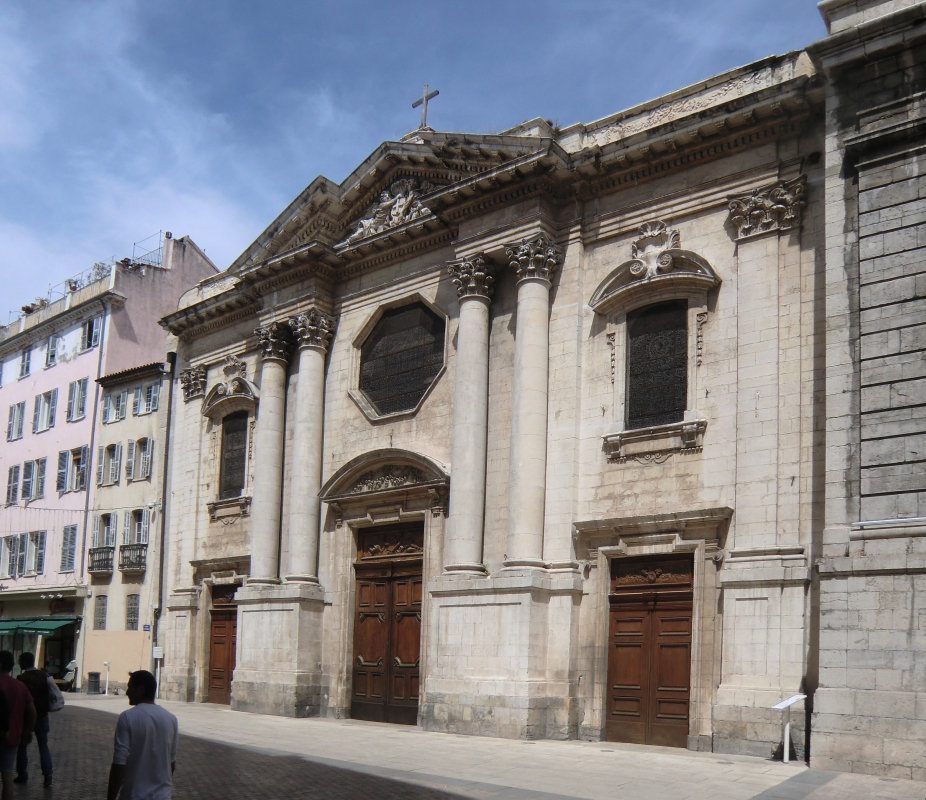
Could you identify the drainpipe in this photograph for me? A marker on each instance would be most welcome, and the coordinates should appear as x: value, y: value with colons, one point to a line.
x: 172, y: 361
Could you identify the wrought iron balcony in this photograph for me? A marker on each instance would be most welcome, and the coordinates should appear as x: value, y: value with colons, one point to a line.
x: 133, y: 557
x: 101, y: 559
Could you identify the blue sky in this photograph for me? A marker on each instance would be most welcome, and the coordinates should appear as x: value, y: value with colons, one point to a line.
x: 119, y: 119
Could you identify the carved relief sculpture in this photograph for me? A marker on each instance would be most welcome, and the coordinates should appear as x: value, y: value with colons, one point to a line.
x: 398, y: 204
x: 387, y: 477
x: 392, y: 543
x: 275, y: 341
x: 533, y: 258
x: 652, y: 252
x: 473, y: 276
x: 771, y: 208
x: 312, y: 329
x: 235, y: 393
x: 193, y: 383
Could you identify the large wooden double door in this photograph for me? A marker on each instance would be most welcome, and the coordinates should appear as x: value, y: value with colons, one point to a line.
x: 649, y: 662
x: 222, y: 644
x: 387, y: 625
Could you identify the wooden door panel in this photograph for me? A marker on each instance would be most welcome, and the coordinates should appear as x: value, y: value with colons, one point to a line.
x: 223, y: 630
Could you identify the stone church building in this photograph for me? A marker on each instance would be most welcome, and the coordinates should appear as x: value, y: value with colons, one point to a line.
x: 612, y: 431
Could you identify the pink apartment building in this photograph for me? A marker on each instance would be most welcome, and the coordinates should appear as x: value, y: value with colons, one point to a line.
x: 50, y: 360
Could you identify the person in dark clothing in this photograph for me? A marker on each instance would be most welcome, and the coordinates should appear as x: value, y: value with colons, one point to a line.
x: 40, y: 686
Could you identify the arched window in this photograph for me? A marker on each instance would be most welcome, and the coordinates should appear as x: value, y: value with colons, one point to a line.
x: 401, y: 357
x: 657, y: 365
x: 234, y: 455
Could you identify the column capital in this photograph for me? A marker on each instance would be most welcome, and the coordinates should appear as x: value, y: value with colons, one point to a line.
x: 312, y: 329
x: 474, y: 276
x: 533, y: 258
x: 275, y: 341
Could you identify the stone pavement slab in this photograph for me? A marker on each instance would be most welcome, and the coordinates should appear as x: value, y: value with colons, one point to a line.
x: 310, y: 758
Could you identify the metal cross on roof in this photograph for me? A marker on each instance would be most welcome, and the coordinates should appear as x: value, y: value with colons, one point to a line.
x: 423, y: 102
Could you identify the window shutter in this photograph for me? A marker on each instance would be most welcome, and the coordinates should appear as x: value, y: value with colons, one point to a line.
x: 20, y: 419
x: 5, y: 557
x: 72, y: 400
x: 146, y: 460
x: 35, y: 413
x: 39, y: 484
x: 95, y: 325
x: 12, y: 554
x: 28, y: 479
x: 122, y: 403
x: 82, y: 398
x: 21, y: 555
x: 155, y: 391
x: 127, y: 527
x: 96, y: 530
x: 11, y: 425
x: 64, y: 456
x: 100, y: 457
x: 10, y: 485
x: 107, y: 407
x: 40, y: 552
x: 117, y: 462
x: 82, y: 467
x: 145, y: 519
x: 52, y: 408
x: 68, y: 548
x: 29, y: 563
x: 136, y: 401
x: 130, y: 461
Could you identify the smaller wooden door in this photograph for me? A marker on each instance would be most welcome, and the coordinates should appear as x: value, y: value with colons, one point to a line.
x: 222, y: 642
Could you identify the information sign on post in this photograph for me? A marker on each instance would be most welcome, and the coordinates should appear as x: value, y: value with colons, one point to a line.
x: 157, y: 653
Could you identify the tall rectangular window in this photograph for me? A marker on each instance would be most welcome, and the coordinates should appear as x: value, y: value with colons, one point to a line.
x: 14, y: 427
x: 657, y: 365
x: 12, y: 485
x: 33, y: 479
x: 234, y: 454
x: 99, y: 612
x: 90, y: 333
x: 35, y: 554
x: 51, y: 350
x: 25, y: 362
x: 43, y: 414
x: 77, y: 399
x: 16, y: 547
x: 131, y: 612
x: 77, y: 472
x: 68, y: 548
x: 135, y: 530
x: 138, y: 460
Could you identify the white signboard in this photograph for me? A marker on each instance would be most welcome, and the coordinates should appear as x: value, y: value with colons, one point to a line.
x: 157, y: 653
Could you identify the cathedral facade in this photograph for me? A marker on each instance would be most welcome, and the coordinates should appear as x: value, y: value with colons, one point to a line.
x: 560, y: 432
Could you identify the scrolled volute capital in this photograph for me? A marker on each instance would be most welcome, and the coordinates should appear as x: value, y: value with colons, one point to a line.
x: 776, y: 207
x: 276, y: 341
x: 473, y: 276
x: 533, y: 258
x: 312, y: 329
x: 193, y: 382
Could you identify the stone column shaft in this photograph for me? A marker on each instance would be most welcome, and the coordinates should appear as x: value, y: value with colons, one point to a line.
x: 268, y: 459
x: 474, y: 280
x: 534, y: 261
x: 312, y: 332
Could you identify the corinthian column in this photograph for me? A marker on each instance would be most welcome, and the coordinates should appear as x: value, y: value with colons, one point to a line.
x: 312, y: 332
x: 473, y: 279
x: 534, y: 261
x: 276, y: 342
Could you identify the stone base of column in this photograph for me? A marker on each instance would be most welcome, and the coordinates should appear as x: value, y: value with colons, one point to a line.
x: 277, y: 669
x: 301, y: 578
x: 466, y: 570
x: 524, y: 563
x: 523, y: 690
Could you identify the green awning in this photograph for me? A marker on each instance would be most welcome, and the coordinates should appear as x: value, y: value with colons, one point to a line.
x: 45, y: 627
x: 8, y: 626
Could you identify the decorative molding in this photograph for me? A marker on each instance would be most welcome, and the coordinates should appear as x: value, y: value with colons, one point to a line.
x: 438, y: 498
x: 275, y: 341
x: 392, y: 543
x: 473, y: 276
x: 770, y: 208
x: 658, y: 268
x: 398, y: 204
x: 533, y: 258
x: 702, y: 318
x: 313, y: 329
x: 612, y: 343
x: 234, y: 367
x: 193, y: 383
x: 388, y: 476
x: 654, y: 445
x: 647, y: 575
x: 235, y: 393
x: 229, y: 511
x: 652, y: 252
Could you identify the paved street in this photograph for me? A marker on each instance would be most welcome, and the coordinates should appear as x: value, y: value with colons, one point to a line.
x: 273, y: 757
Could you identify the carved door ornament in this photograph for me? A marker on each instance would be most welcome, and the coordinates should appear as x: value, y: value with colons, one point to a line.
x: 387, y: 477
x: 652, y: 252
x: 235, y: 393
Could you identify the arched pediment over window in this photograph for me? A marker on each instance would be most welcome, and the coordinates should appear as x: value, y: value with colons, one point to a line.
x: 235, y: 393
x: 383, y: 472
x: 659, y: 269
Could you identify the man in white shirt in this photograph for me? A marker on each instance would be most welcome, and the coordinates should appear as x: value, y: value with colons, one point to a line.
x: 145, y: 751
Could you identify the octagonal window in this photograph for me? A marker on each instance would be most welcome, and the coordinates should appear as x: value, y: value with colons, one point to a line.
x: 401, y: 358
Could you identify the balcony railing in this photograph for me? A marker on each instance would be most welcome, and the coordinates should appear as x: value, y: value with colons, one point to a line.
x: 101, y: 559
x: 133, y: 557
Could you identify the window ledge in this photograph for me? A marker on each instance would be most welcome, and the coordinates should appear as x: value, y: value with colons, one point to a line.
x: 228, y: 511
x: 655, y: 444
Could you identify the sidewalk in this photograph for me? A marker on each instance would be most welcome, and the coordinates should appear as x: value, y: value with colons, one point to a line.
x: 503, y: 769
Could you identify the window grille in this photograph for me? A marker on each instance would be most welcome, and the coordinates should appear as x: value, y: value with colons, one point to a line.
x: 657, y: 365
x: 131, y: 612
x: 234, y: 454
x: 68, y: 548
x: 99, y: 612
x: 401, y: 358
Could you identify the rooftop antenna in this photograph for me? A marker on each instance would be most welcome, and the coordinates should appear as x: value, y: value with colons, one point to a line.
x: 423, y: 102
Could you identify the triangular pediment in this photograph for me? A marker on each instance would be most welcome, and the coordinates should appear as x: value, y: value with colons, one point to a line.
x: 394, y: 187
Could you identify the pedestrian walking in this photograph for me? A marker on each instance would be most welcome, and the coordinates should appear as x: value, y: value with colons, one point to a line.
x: 45, y: 694
x: 22, y: 721
x: 145, y: 751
